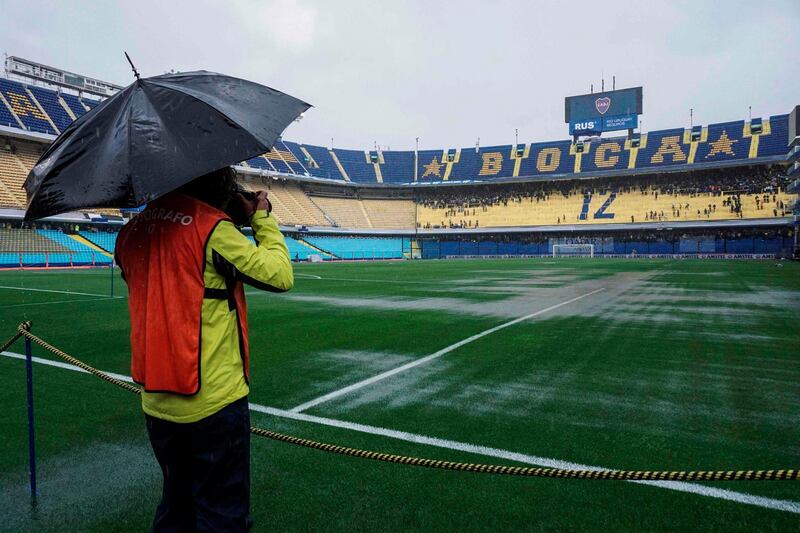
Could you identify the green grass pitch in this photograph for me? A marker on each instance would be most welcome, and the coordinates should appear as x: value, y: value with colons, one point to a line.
x: 656, y: 365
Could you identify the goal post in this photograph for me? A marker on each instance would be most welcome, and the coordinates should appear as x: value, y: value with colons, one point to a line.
x: 573, y: 250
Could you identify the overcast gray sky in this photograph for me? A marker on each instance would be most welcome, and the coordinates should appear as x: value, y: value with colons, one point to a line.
x: 448, y: 72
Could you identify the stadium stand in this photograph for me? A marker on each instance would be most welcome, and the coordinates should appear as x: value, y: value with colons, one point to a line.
x: 298, y: 251
x: 84, y: 254
x: 357, y: 165
x: 51, y: 105
x: 359, y: 247
x: 74, y: 104
x: 731, y: 171
x: 390, y: 214
x: 747, y: 195
x: 106, y: 240
x: 345, y: 212
x: 259, y: 163
x: 321, y: 162
x: 7, y: 118
x: 28, y: 240
x: 276, y: 161
x: 90, y: 103
x: 43, y: 247
x: 43, y: 110
x: 397, y: 167
x: 12, y: 176
x: 296, y: 164
x: 22, y: 104
x: 291, y: 206
x: 17, y: 158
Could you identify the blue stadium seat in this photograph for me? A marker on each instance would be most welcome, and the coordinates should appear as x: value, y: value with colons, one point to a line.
x: 430, y: 167
x: 91, y: 103
x: 49, y: 101
x: 486, y: 163
x: 398, y: 167
x: 548, y: 158
x: 74, y: 104
x: 360, y: 247
x: 27, y: 111
x: 260, y: 163
x: 104, y: 239
x: 775, y: 144
x: 664, y: 148
x: 6, y: 118
x: 327, y: 167
x: 84, y: 254
x: 724, y: 143
x: 297, y: 250
x: 356, y: 165
x: 608, y: 153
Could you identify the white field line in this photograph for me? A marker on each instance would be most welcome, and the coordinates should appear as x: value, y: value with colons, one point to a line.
x: 26, y: 289
x: 84, y: 300
x: 409, y: 282
x: 417, y: 362
x: 303, y: 275
x: 363, y: 280
x: 65, y: 366
x: 546, y: 462
x: 680, y: 486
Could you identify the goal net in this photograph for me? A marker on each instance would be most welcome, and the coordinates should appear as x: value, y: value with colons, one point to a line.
x: 573, y: 250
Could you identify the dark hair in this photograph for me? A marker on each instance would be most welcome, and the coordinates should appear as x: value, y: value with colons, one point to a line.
x: 214, y: 188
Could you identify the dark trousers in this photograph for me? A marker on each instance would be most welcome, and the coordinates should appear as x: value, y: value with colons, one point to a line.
x: 206, y: 467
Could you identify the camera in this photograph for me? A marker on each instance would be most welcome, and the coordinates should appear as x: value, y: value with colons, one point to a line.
x: 249, y: 195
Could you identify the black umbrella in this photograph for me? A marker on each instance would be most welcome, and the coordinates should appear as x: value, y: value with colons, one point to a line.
x: 154, y: 136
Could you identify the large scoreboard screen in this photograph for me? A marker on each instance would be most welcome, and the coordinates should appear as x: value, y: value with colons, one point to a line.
x: 606, y: 111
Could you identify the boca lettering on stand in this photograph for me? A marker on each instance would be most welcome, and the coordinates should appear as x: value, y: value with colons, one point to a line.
x: 492, y: 164
x: 548, y: 159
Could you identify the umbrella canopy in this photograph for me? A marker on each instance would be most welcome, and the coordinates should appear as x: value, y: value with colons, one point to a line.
x: 154, y: 136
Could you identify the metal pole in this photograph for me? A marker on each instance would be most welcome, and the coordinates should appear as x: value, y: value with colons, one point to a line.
x: 31, y: 433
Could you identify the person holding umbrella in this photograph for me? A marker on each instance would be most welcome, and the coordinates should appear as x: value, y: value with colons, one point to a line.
x: 168, y: 141
x: 184, y: 262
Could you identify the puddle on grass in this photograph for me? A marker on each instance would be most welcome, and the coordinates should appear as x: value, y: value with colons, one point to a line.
x: 75, y: 490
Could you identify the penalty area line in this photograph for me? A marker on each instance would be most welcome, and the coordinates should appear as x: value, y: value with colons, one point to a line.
x: 421, y: 361
x: 546, y: 462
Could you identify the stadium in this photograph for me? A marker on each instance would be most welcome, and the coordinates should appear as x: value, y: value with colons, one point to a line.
x: 725, y: 189
x: 621, y: 299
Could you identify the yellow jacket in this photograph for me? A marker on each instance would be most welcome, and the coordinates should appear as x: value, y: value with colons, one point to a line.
x: 266, y: 265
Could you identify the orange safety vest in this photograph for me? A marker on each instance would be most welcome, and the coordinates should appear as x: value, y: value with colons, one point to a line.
x: 162, y: 253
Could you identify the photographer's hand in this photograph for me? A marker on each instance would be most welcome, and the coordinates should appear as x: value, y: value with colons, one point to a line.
x: 262, y: 202
x: 241, y: 208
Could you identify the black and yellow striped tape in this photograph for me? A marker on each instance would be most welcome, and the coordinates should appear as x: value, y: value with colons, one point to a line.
x: 633, y: 475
